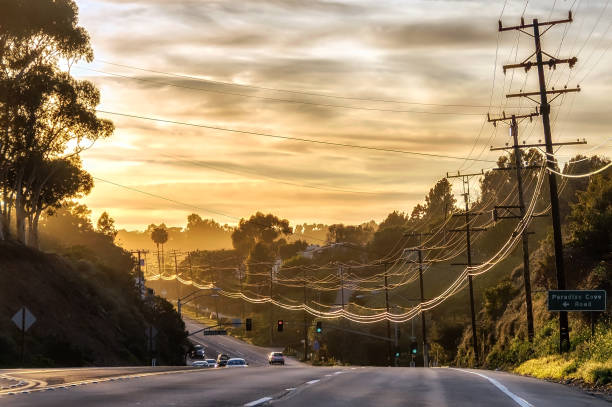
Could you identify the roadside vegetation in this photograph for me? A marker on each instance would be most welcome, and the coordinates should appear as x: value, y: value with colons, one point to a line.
x: 79, y: 285
x: 263, y: 239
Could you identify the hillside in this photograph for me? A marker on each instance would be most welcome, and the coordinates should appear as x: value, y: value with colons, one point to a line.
x: 588, y: 265
x: 87, y: 313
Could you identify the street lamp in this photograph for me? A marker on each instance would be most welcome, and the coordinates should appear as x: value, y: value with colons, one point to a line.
x: 181, y: 301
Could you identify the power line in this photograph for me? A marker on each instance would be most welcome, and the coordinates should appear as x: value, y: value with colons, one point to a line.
x: 249, y: 174
x: 301, y: 102
x: 305, y: 140
x: 298, y: 92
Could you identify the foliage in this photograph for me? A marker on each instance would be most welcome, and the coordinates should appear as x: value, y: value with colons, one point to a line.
x: 497, y: 298
x: 259, y: 228
x: 394, y: 219
x: 591, y: 216
x: 590, y: 360
x: 106, y: 226
x: 340, y: 233
x: 48, y: 118
x: 159, y: 235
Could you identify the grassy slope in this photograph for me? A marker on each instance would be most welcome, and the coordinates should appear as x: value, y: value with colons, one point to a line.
x: 86, y: 314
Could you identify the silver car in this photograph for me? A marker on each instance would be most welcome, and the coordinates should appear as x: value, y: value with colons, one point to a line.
x: 276, y: 358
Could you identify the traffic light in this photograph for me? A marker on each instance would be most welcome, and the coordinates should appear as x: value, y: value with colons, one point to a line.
x: 319, y: 327
x: 397, y: 352
x: 279, y: 326
x: 414, y: 348
x: 249, y: 324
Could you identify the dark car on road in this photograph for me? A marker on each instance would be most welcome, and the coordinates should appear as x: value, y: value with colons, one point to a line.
x: 197, y: 353
x: 222, y: 359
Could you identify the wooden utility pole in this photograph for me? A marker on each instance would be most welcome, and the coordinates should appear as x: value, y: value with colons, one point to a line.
x: 343, y: 320
x: 389, y: 350
x: 141, y: 279
x: 552, y: 62
x: 178, y: 285
x: 240, y: 277
x: 191, y: 277
x: 271, y: 307
x: 305, y: 317
x: 419, y: 250
x: 518, y: 166
x: 468, y: 231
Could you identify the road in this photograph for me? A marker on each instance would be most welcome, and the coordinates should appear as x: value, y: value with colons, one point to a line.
x: 311, y: 386
x: 296, y: 384
x: 254, y: 355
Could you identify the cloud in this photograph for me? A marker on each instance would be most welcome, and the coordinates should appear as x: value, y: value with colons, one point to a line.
x: 430, y: 52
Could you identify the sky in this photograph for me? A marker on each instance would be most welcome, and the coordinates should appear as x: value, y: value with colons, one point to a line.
x: 408, y: 76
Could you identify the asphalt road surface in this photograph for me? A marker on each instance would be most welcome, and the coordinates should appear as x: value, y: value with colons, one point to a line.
x: 213, y: 345
x: 295, y: 384
x: 310, y: 386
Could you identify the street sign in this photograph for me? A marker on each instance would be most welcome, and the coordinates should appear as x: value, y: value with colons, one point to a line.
x: 217, y: 332
x: 24, y: 319
x: 577, y: 300
x: 316, y: 346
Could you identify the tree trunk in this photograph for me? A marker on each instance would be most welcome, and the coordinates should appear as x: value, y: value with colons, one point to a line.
x: 20, y: 209
x: 158, y: 261
x: 33, y: 230
x: 2, y: 226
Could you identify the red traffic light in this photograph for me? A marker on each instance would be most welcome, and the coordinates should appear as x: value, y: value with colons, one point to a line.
x: 279, y: 326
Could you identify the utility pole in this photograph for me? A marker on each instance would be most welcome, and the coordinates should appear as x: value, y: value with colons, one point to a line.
x: 191, y: 278
x: 389, y: 350
x: 141, y: 279
x: 178, y: 285
x: 468, y: 230
x: 564, y: 340
x: 342, y: 321
x: 271, y: 309
x: 419, y: 250
x: 305, y: 317
x: 240, y: 277
x: 507, y: 214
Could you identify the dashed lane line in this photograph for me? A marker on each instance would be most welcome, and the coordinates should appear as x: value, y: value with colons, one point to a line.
x: 313, y: 381
x: 518, y: 400
x: 258, y: 402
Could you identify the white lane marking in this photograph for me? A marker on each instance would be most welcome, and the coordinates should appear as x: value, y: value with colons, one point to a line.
x: 313, y: 381
x: 518, y: 400
x: 290, y: 389
x: 257, y: 402
x: 340, y: 372
x: 328, y: 375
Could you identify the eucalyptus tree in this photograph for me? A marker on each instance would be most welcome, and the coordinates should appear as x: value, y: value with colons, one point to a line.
x: 45, y: 114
